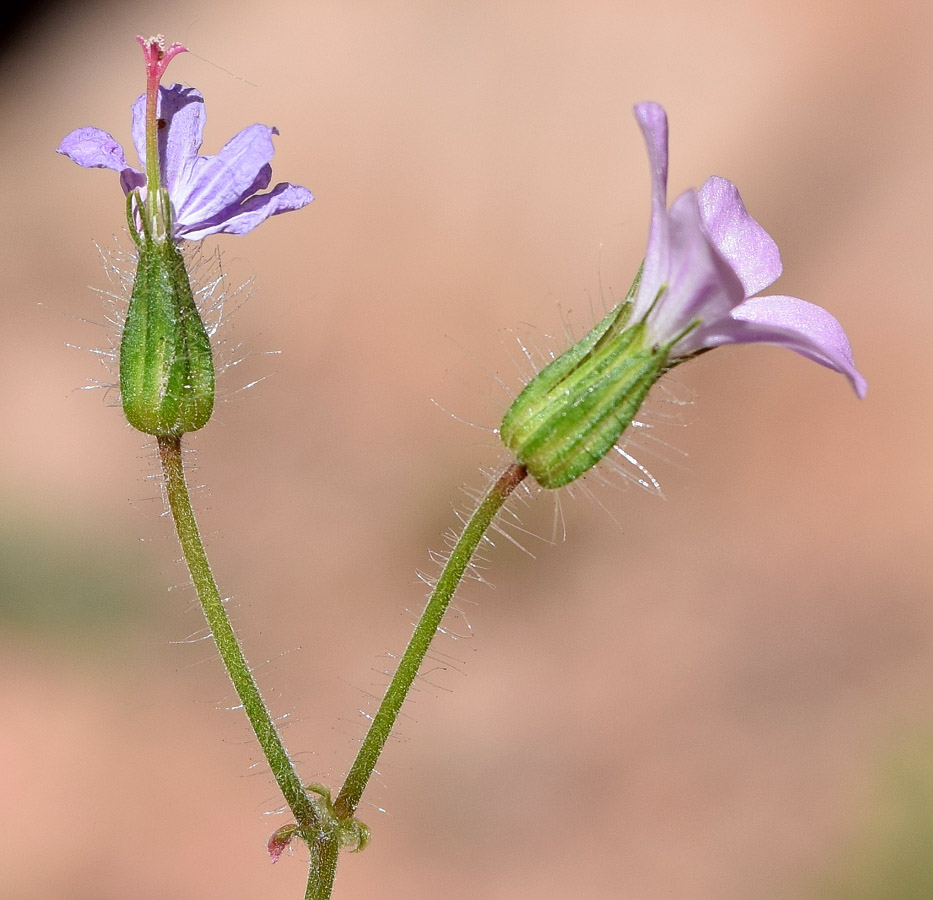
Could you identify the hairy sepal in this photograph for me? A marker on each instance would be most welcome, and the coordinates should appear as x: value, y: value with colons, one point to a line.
x: 166, y: 364
x: 573, y: 412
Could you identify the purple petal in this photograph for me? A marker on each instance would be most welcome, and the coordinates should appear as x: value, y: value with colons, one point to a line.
x: 700, y: 283
x: 738, y: 237
x: 95, y: 149
x: 653, y: 122
x: 252, y: 212
x: 218, y: 183
x: 788, y: 322
x: 209, y: 194
x: 182, y: 110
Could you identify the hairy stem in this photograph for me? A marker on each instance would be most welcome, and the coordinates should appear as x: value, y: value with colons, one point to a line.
x: 352, y: 791
x: 264, y: 728
x: 323, y: 842
x: 324, y: 852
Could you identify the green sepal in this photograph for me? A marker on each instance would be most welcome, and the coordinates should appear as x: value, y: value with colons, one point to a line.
x: 573, y: 412
x: 166, y: 366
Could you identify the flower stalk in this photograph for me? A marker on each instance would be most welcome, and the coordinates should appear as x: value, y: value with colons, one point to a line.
x: 325, y: 826
x: 318, y: 831
x: 384, y: 721
x: 186, y: 527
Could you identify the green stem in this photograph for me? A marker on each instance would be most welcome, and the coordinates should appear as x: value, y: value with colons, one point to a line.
x: 264, y: 728
x: 324, y: 852
x: 352, y: 791
x: 323, y: 842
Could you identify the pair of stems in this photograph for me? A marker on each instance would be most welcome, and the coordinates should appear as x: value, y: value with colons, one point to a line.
x: 320, y: 832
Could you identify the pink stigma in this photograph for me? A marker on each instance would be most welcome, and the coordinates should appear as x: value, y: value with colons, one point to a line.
x: 157, y: 56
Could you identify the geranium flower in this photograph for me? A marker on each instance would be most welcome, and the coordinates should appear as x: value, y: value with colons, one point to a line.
x: 209, y: 194
x: 706, y: 259
x: 166, y: 361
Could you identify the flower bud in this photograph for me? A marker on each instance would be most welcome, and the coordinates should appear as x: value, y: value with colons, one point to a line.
x: 572, y: 413
x: 166, y: 367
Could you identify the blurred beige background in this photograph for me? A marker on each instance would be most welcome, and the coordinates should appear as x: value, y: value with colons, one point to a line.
x: 694, y: 697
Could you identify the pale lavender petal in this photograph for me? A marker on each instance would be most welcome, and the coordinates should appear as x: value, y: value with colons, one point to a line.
x: 788, y: 322
x: 738, y: 237
x: 700, y: 283
x: 250, y: 213
x: 95, y: 149
x: 182, y: 110
x: 260, y: 183
x: 653, y: 122
x: 218, y: 182
x: 209, y: 194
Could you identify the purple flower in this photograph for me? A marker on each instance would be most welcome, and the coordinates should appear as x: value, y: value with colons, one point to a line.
x: 706, y: 259
x: 209, y: 194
